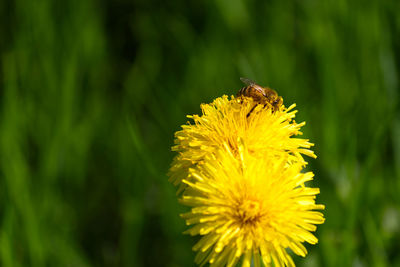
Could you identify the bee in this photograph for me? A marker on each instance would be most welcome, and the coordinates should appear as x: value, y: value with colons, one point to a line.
x: 262, y: 95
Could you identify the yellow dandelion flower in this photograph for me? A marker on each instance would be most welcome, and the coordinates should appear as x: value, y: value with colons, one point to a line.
x: 250, y: 209
x: 240, y: 169
x: 265, y: 132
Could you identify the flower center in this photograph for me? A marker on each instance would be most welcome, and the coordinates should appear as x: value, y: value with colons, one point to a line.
x: 248, y: 212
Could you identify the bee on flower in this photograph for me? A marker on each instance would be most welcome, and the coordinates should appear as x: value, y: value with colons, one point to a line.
x: 239, y: 168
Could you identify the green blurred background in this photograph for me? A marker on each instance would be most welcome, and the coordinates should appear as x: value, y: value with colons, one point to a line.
x: 91, y: 93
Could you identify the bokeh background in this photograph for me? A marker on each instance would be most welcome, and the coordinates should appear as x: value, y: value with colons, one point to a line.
x: 91, y: 93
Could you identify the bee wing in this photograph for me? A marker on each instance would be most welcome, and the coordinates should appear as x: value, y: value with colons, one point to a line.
x: 247, y: 81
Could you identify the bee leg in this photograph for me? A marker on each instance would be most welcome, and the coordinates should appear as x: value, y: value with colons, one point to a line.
x: 248, y: 114
x: 271, y: 106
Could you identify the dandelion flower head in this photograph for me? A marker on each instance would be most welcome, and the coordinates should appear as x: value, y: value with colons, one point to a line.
x: 239, y: 168
x: 265, y: 132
